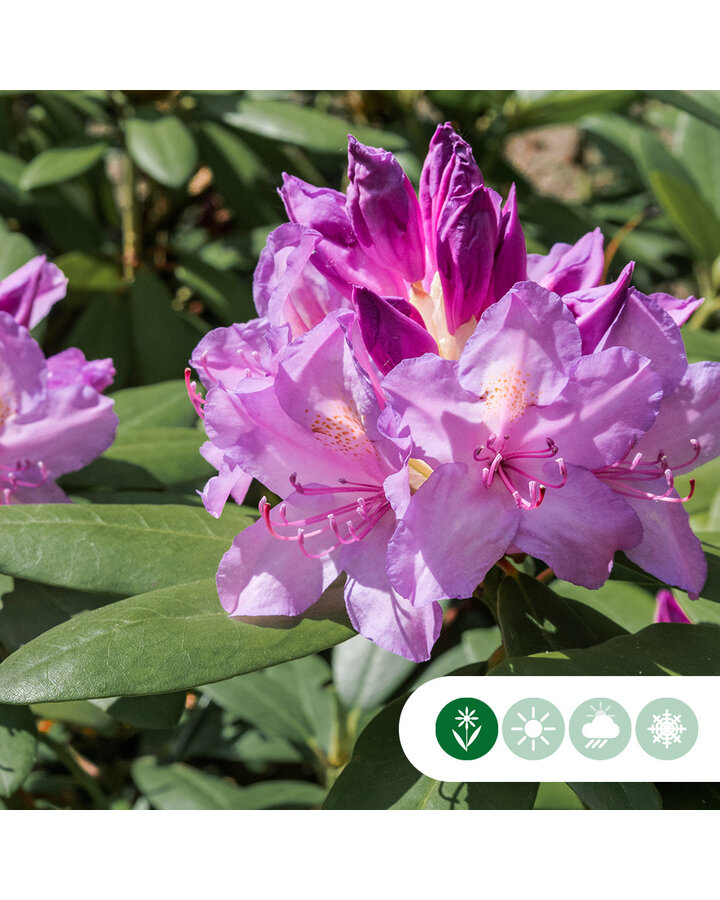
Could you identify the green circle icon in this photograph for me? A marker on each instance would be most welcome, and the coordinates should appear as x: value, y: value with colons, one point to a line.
x: 466, y: 728
x: 600, y: 728
x: 533, y: 728
x: 666, y: 728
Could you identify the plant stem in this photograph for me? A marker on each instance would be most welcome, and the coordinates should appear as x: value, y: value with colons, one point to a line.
x: 128, y: 219
x: 68, y: 758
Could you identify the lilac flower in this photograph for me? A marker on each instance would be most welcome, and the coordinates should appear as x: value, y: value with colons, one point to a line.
x: 685, y: 434
x: 427, y: 267
x: 667, y: 609
x: 605, y: 313
x: 28, y: 293
x: 316, y: 436
x: 509, y: 436
x: 52, y: 418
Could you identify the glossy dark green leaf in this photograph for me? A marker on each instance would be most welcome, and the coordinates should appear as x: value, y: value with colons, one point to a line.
x: 690, y: 795
x: 178, y: 786
x: 288, y: 701
x: 163, y: 148
x: 665, y: 649
x: 631, y: 605
x: 61, y: 164
x: 168, y: 640
x: 306, y: 127
x: 617, y: 795
x: 29, y: 608
x: 153, y: 711
x: 116, y: 549
x: 155, y: 405
x: 476, y: 645
x: 151, y: 314
x: 533, y: 619
x: 379, y: 776
x: 18, y: 747
x: 170, y: 454
x: 365, y: 674
x: 692, y: 216
x: 103, y: 330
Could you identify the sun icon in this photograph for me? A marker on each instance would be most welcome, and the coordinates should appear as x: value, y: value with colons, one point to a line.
x: 533, y: 728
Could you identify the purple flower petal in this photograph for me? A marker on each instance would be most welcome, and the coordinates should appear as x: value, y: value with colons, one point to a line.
x: 678, y: 310
x: 384, y: 211
x: 669, y: 550
x: 570, y: 267
x: 647, y: 329
x: 262, y: 576
x: 466, y: 239
x: 595, y: 309
x: 71, y: 367
x: 390, y: 329
x: 510, y: 265
x: 521, y: 353
x: 669, y: 610
x: 29, y: 293
x: 449, y: 171
x: 453, y: 531
x: 611, y: 400
x: 578, y: 528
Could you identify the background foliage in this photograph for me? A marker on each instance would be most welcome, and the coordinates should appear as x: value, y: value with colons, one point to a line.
x: 123, y: 684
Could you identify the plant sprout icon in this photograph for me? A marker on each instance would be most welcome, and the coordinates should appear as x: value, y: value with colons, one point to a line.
x: 533, y: 729
x: 468, y: 719
x: 601, y: 729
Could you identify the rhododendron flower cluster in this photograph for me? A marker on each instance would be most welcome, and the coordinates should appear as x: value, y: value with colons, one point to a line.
x: 53, y: 417
x: 424, y: 397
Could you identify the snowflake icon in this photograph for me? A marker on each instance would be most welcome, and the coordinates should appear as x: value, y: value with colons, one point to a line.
x: 667, y: 729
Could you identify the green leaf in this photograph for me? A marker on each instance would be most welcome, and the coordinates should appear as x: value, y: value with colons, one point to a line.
x: 90, y: 273
x: 77, y: 712
x: 630, y: 605
x: 380, y: 776
x: 18, y: 747
x: 557, y: 795
x: 15, y: 251
x: 28, y: 609
x: 698, y: 146
x: 168, y: 640
x: 171, y: 455
x: 306, y: 127
x: 151, y: 315
x: 178, y: 786
x: 157, y: 405
x: 533, y: 619
x: 116, y: 549
x: 664, y: 649
x: 617, y: 795
x: 567, y: 106
x: 690, y: 795
x: 164, y: 148
x: 476, y: 645
x: 702, y: 345
x: 61, y: 164
x: 365, y: 674
x: 102, y: 330
x: 694, y: 105
x: 153, y: 711
x: 691, y: 215
x: 288, y: 701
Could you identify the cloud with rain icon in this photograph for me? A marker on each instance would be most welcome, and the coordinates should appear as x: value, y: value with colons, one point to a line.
x: 600, y: 730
